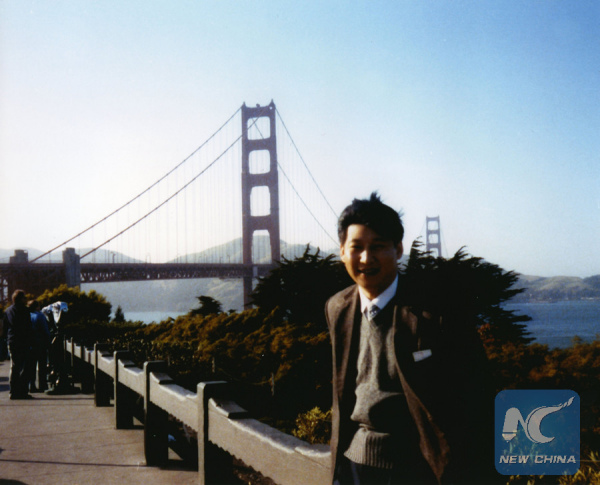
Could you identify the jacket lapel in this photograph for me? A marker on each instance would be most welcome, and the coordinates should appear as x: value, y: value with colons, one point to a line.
x: 348, y: 332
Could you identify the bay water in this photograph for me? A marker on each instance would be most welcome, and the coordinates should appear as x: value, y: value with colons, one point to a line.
x: 556, y: 324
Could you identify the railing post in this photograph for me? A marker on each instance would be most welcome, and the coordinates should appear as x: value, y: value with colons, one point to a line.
x: 87, y: 373
x: 102, y: 383
x: 214, y: 465
x: 64, y: 367
x: 156, y: 420
x: 71, y: 360
x: 73, y: 363
x: 123, y: 404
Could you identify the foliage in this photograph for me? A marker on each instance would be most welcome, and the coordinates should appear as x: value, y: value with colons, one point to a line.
x: 467, y: 289
x: 208, y: 306
x: 82, y: 306
x: 576, y: 368
x: 88, y: 332
x: 119, y: 315
x: 301, y: 286
x: 536, y: 367
x: 532, y: 480
x: 588, y: 474
x: 88, y: 318
x: 259, y: 352
x: 314, y: 426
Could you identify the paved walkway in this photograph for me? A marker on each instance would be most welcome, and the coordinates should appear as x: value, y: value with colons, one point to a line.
x: 67, y: 440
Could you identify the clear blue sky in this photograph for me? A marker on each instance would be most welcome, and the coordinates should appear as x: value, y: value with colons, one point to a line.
x: 484, y: 113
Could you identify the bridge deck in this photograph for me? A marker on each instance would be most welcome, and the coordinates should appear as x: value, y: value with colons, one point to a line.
x: 66, y: 439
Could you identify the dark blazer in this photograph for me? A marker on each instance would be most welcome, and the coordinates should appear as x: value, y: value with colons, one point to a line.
x: 441, y: 389
x: 17, y: 326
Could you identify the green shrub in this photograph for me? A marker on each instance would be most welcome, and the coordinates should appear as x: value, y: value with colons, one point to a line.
x: 82, y: 305
x: 588, y: 474
x: 313, y: 426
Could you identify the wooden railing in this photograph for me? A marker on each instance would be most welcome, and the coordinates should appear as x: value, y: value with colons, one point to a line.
x: 223, y: 428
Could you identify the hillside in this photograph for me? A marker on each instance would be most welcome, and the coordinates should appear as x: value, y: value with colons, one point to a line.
x: 99, y: 256
x: 233, y: 249
x: 558, y: 288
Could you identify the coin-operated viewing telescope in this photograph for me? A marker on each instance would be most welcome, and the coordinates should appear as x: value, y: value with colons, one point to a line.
x: 56, y: 309
x: 59, y: 377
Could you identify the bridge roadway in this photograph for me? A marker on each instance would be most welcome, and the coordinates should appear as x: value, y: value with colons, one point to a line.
x: 66, y: 439
x: 35, y: 278
x: 106, y: 272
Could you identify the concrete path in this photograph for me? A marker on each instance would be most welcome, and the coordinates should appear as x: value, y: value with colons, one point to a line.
x: 67, y: 440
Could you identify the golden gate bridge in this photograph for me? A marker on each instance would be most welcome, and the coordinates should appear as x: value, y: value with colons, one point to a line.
x: 231, y: 209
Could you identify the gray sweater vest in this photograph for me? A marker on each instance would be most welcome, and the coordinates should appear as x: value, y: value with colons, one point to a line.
x: 381, y: 410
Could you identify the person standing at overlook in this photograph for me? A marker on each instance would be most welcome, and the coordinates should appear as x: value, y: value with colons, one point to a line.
x: 408, y: 405
x: 18, y: 330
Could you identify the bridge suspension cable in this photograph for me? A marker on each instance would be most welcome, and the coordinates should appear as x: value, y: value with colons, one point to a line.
x: 201, y: 223
x: 141, y: 194
x: 304, y: 203
x: 304, y: 163
x: 175, y: 194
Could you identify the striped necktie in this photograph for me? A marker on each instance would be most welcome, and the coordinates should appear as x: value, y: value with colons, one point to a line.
x: 372, y: 312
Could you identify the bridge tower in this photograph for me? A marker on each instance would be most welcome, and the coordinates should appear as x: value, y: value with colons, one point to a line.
x: 256, y: 177
x: 433, y: 238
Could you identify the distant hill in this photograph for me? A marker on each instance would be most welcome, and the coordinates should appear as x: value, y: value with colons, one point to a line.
x: 100, y: 256
x: 233, y: 249
x: 557, y: 288
x: 5, y: 255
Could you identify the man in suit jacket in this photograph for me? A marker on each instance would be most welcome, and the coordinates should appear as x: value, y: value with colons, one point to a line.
x: 405, y: 389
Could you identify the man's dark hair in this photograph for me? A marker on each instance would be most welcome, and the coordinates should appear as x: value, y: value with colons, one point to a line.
x: 374, y: 214
x: 18, y: 295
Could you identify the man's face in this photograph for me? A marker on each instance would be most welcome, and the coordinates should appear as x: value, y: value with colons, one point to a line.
x: 371, y: 260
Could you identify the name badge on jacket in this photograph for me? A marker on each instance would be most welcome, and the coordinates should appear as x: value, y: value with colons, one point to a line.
x: 420, y: 355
